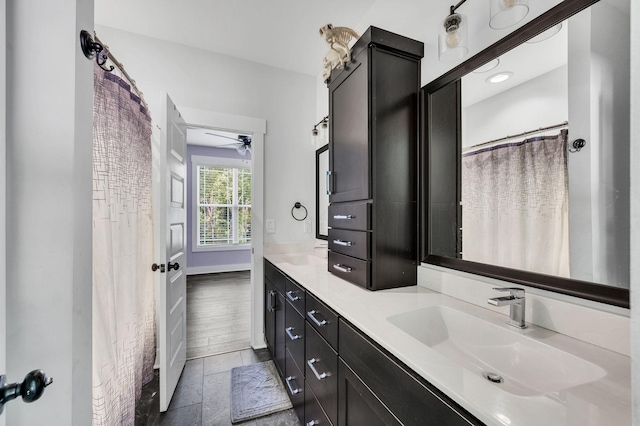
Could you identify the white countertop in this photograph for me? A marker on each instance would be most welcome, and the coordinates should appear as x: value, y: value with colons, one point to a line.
x: 606, y: 401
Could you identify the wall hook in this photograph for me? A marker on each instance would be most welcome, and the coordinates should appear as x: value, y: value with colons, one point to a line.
x: 92, y: 48
x: 298, y: 205
x: 578, y: 144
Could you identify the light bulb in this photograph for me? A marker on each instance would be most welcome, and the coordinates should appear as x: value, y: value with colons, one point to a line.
x: 506, y: 4
x: 452, y: 39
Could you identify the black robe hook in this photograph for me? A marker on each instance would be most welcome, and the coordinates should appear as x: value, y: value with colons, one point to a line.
x: 92, y: 48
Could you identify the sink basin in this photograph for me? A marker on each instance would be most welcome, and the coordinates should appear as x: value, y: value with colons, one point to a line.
x: 304, y: 259
x: 527, y: 366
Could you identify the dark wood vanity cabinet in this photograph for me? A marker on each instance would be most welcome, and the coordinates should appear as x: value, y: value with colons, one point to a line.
x: 373, y: 378
x: 274, y: 316
x: 335, y: 375
x: 373, y: 147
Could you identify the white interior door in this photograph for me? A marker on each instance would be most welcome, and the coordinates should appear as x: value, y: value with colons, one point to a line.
x: 172, y: 292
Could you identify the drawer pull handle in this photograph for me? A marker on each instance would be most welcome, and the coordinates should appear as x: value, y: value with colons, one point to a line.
x: 271, y: 305
x: 312, y: 423
x: 291, y: 296
x: 343, y: 243
x: 319, y: 376
x: 311, y: 314
x: 342, y: 268
x: 343, y: 217
x: 290, y: 334
x: 292, y: 390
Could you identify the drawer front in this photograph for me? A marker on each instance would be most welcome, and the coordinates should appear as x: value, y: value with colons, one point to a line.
x: 321, y: 372
x: 351, y: 243
x: 313, y: 413
x: 294, y: 335
x: 294, y: 384
x: 348, y: 268
x: 276, y: 277
x: 296, y: 296
x: 356, y: 216
x: 323, y: 319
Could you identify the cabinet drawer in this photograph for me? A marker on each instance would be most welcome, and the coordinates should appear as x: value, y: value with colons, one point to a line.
x: 313, y: 413
x: 294, y: 335
x: 351, y: 243
x: 295, y: 295
x: 276, y: 277
x: 294, y: 384
x: 321, y: 372
x: 354, y: 270
x: 356, y: 216
x: 323, y: 319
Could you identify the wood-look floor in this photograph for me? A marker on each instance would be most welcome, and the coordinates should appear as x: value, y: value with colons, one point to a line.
x: 218, y: 313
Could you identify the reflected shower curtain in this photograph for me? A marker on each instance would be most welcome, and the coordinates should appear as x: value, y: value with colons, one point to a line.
x: 123, y: 294
x: 515, y: 205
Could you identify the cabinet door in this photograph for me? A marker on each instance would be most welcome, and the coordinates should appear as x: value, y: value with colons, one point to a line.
x: 358, y: 406
x: 269, y: 315
x: 279, y: 333
x: 349, y: 141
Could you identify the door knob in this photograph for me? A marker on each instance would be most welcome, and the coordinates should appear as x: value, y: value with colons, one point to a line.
x: 175, y: 266
x: 30, y: 389
x: 155, y: 267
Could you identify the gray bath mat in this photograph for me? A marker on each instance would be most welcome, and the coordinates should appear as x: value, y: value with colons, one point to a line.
x: 256, y: 391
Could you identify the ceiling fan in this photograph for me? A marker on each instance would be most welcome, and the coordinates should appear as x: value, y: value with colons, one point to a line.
x: 242, y: 142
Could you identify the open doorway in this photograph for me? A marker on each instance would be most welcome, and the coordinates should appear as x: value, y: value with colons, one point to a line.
x: 219, y: 216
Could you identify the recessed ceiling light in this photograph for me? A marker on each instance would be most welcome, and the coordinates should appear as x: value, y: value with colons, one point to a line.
x: 500, y: 77
x: 546, y: 34
x: 487, y: 67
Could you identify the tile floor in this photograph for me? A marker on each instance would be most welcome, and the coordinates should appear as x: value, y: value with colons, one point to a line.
x: 202, y: 396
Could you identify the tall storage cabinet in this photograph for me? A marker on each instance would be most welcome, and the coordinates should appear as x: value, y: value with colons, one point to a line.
x: 373, y: 147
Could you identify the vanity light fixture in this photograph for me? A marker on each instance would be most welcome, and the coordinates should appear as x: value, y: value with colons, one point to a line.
x: 320, y: 136
x: 500, y: 77
x: 505, y: 13
x: 453, y: 42
x: 545, y: 35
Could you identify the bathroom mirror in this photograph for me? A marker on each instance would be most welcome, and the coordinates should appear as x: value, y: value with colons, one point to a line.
x: 322, y: 198
x: 508, y: 189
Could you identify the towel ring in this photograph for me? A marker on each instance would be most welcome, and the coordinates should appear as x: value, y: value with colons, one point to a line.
x: 297, y: 205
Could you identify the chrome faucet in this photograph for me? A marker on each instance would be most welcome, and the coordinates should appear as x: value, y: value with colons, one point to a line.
x: 516, y: 305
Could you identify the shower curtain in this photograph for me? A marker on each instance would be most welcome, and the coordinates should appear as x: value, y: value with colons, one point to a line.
x: 123, y: 294
x: 515, y: 205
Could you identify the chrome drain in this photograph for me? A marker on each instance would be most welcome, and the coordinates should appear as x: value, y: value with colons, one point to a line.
x: 493, y: 377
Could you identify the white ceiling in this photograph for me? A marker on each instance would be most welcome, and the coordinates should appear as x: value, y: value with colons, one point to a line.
x: 281, y: 33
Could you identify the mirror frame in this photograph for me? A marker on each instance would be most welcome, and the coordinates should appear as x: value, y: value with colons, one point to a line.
x: 616, y: 296
x: 318, y: 152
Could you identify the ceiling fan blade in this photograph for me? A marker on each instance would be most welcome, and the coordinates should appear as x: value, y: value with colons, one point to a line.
x: 223, y: 136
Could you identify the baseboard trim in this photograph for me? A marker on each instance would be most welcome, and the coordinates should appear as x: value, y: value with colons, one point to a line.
x: 218, y: 268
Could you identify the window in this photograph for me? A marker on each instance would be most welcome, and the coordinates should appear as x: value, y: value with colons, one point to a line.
x: 222, y: 204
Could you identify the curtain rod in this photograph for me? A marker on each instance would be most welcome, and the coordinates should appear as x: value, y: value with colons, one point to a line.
x: 126, y: 75
x: 529, y: 132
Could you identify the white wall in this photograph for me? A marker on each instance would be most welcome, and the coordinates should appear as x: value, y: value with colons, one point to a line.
x: 3, y: 204
x: 198, y: 79
x: 510, y: 112
x: 635, y: 209
x: 599, y: 174
x: 49, y: 105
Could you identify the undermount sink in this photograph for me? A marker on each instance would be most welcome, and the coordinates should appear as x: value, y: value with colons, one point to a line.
x: 526, y: 366
x: 304, y: 259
